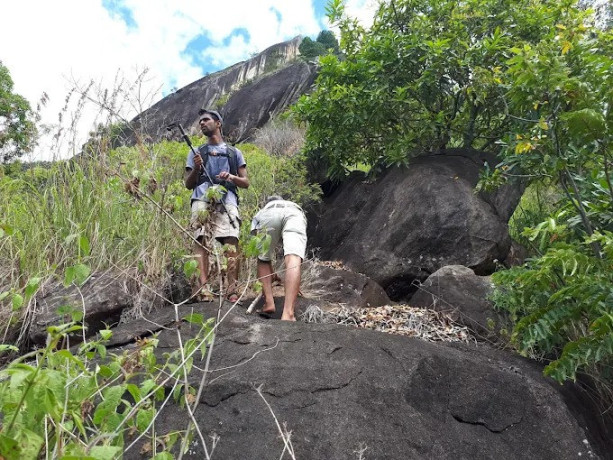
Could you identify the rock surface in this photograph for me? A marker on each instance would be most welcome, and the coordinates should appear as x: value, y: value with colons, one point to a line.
x: 341, y: 390
x: 412, y: 221
x: 285, y: 80
x: 336, y: 285
x: 101, y: 300
x: 463, y: 296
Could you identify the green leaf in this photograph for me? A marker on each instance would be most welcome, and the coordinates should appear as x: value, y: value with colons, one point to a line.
x: 17, y: 302
x: 6, y: 229
x: 84, y: 245
x: 9, y: 448
x: 77, y: 274
x: 112, y: 398
x: 32, y: 286
x: 105, y: 452
x: 195, y: 318
x: 5, y: 347
x: 144, y: 418
x: 586, y: 125
x: 163, y: 456
x: 105, y: 334
x: 190, y: 267
x: 28, y: 445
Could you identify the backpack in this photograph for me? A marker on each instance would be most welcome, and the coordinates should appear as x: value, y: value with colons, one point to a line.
x: 233, y: 162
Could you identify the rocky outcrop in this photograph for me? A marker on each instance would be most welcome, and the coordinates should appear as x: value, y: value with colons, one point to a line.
x: 341, y: 390
x: 101, y: 300
x: 334, y: 285
x: 286, y: 78
x: 252, y: 106
x: 410, y: 222
x: 463, y: 296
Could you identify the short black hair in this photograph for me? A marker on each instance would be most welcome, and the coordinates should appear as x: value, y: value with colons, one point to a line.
x: 214, y: 113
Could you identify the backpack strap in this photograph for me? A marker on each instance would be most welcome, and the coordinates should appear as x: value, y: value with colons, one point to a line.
x: 233, y: 161
x: 231, y: 154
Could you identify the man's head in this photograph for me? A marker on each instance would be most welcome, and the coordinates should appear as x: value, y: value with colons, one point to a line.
x: 209, y: 121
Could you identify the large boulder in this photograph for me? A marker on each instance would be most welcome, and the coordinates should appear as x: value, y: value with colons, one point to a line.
x: 341, y: 390
x: 335, y: 285
x: 253, y: 105
x: 463, y: 296
x: 410, y: 222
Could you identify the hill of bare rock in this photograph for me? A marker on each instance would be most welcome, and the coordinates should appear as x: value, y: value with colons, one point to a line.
x: 248, y: 94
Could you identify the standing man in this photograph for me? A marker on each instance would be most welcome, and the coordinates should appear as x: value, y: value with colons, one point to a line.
x: 282, y: 220
x: 225, y: 166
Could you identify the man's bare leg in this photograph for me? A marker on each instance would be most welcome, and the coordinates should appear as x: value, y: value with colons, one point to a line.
x: 265, y: 277
x: 202, y: 258
x: 233, y: 264
x: 292, y: 286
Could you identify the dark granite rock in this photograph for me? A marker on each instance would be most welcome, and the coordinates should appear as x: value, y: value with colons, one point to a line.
x: 461, y: 294
x: 410, y: 222
x: 340, y: 390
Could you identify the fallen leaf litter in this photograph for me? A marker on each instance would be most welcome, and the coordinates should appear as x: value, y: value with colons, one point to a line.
x: 404, y: 320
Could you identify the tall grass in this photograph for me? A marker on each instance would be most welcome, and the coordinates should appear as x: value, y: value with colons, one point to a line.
x: 123, y: 209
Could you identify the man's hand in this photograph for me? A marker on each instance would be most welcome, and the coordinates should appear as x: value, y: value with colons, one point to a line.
x: 197, y: 162
x: 225, y: 175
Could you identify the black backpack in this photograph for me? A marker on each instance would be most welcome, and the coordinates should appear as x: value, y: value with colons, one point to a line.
x: 203, y: 150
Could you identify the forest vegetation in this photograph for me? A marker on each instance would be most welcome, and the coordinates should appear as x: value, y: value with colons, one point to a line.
x: 529, y: 80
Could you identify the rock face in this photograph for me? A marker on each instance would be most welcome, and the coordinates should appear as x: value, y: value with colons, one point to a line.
x: 412, y: 221
x: 341, y: 390
x: 241, y: 85
x: 334, y: 285
x: 456, y: 291
x: 102, y: 299
x: 252, y: 106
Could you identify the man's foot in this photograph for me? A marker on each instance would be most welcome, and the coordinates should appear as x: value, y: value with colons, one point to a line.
x: 288, y: 318
x: 234, y: 298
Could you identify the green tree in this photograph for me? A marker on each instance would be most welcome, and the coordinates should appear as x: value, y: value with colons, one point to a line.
x: 559, y: 94
x: 17, y: 130
x: 426, y: 76
x: 328, y: 40
x: 310, y: 49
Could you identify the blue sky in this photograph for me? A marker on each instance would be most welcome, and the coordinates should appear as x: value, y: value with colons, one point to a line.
x: 63, y: 44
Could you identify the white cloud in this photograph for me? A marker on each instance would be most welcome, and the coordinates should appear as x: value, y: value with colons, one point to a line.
x: 47, y: 45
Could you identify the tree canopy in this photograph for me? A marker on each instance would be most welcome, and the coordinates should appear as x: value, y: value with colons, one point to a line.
x: 427, y: 75
x: 17, y: 130
x: 311, y: 49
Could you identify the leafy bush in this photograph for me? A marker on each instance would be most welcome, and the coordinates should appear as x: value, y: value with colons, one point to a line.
x: 17, y: 126
x: 558, y: 91
x: 427, y: 75
x: 61, y: 404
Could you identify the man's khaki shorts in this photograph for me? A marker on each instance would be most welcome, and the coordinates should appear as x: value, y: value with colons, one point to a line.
x: 284, y: 221
x: 218, y: 220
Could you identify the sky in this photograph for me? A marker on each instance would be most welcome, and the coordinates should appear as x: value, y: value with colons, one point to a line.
x: 50, y: 47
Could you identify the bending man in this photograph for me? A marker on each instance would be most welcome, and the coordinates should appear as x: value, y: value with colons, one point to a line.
x: 226, y: 166
x: 284, y: 221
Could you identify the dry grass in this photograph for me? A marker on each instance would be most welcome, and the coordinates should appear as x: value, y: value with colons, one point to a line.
x: 280, y: 138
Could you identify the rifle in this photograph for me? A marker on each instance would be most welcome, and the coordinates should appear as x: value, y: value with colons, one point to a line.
x: 170, y: 127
